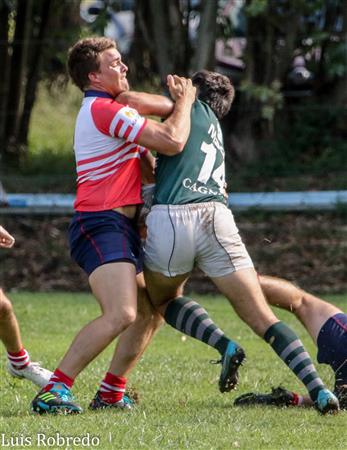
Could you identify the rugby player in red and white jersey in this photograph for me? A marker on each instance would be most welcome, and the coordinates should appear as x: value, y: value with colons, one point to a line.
x: 110, y: 139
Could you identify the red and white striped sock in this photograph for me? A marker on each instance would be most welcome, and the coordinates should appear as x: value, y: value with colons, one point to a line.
x: 112, y: 388
x: 59, y: 377
x: 298, y: 399
x: 19, y: 360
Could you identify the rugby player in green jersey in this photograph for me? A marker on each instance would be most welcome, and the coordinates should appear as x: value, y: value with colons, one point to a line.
x: 191, y: 226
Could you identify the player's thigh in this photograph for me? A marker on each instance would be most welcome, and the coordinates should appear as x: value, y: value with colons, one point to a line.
x: 114, y: 286
x: 220, y: 248
x: 244, y: 292
x: 314, y: 313
x: 170, y: 242
x: 161, y: 288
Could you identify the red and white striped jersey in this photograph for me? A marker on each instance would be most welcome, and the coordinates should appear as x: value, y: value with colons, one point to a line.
x: 107, y: 155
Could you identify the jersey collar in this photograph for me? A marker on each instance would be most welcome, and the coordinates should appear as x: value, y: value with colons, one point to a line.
x: 94, y: 93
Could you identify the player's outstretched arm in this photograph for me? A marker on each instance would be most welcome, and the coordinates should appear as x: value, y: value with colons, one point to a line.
x: 6, y: 240
x: 147, y: 104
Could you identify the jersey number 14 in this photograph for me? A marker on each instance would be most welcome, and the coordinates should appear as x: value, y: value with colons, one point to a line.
x: 206, y: 172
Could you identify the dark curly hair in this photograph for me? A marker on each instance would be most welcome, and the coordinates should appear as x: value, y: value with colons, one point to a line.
x: 84, y: 58
x: 216, y: 90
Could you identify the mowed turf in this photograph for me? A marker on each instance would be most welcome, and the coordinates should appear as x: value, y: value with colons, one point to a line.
x: 180, y: 405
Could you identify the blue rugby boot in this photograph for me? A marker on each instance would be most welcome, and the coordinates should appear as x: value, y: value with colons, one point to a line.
x: 98, y: 403
x: 231, y: 361
x: 327, y: 402
x: 58, y: 399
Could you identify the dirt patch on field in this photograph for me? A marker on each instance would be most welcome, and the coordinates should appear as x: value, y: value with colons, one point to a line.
x: 309, y: 249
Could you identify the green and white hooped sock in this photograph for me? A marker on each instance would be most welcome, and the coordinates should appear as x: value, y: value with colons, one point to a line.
x: 290, y: 349
x: 187, y: 316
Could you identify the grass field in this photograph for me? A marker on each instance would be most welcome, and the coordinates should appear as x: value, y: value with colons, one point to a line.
x: 180, y: 407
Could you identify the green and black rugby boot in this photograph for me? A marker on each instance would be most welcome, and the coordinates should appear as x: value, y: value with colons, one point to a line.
x: 58, y: 399
x: 98, y: 403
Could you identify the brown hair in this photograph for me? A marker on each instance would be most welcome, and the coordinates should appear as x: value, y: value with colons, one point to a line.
x: 83, y: 58
x: 216, y: 90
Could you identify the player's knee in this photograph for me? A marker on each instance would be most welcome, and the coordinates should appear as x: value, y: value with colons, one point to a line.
x: 121, y: 319
x: 5, y: 306
x: 128, y: 317
x: 300, y: 302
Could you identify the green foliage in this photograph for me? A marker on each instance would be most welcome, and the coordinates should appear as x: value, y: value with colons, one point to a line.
x: 51, y: 133
x: 180, y: 405
x: 269, y: 97
x: 315, y: 137
x: 336, y: 60
x: 308, y: 151
x: 49, y: 164
x: 256, y: 7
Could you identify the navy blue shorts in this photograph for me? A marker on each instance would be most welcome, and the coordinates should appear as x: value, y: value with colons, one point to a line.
x: 101, y: 237
x: 332, y: 344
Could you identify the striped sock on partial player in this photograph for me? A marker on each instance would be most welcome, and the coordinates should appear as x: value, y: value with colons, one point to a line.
x: 187, y: 316
x: 290, y: 349
x: 19, y: 360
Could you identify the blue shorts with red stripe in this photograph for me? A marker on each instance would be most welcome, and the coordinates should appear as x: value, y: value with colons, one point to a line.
x: 332, y: 345
x: 101, y: 237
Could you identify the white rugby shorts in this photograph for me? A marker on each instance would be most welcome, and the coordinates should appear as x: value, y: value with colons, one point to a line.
x: 204, y: 235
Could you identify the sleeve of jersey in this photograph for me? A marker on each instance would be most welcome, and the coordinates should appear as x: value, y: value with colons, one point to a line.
x: 117, y: 120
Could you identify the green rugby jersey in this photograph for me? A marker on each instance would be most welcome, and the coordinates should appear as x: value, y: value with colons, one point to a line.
x: 197, y: 174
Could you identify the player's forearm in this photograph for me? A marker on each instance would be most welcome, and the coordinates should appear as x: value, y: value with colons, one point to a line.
x: 170, y: 137
x: 178, y: 123
x: 147, y: 104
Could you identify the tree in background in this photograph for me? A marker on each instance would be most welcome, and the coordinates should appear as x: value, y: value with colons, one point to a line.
x: 293, y: 49
x: 174, y: 36
x: 293, y: 56
x: 33, y: 34
x: 295, y: 53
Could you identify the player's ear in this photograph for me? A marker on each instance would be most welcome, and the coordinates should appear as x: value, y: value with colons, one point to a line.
x: 93, y: 77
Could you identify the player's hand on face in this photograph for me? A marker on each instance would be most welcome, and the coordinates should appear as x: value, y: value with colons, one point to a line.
x: 6, y: 240
x: 181, y: 87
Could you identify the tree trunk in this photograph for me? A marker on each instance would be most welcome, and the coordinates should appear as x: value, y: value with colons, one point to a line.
x: 178, y: 38
x: 162, y: 37
x: 204, y: 57
x: 17, y: 75
x: 244, y: 139
x: 34, y: 73
x: 340, y: 86
x: 140, y: 60
x: 4, y: 58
